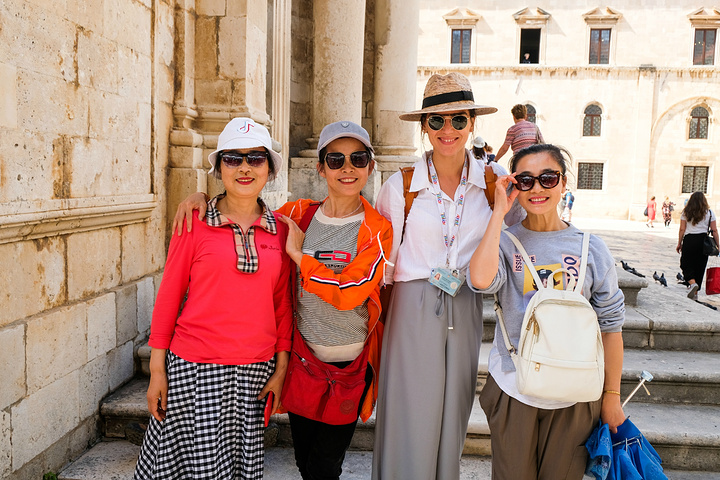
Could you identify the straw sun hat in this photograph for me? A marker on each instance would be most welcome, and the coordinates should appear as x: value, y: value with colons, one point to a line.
x: 447, y: 93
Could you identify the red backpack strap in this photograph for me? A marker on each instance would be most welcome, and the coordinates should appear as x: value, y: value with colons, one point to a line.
x: 308, y: 215
x: 490, y: 179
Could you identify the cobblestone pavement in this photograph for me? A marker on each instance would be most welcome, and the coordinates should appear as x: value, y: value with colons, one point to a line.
x: 646, y: 249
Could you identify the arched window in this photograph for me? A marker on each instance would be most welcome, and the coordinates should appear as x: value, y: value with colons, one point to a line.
x: 531, y: 113
x: 591, y: 122
x: 698, y: 123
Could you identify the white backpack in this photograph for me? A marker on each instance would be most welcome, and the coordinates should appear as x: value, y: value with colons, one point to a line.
x: 560, y: 355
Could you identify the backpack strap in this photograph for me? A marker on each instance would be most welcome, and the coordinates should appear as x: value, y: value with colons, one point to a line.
x: 526, y: 259
x: 490, y: 179
x: 583, y: 262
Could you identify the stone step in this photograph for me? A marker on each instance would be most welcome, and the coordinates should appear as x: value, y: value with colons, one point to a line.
x: 687, y: 437
x: 115, y: 460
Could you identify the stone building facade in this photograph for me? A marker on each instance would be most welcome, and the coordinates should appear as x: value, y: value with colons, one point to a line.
x: 628, y: 89
x: 108, y: 110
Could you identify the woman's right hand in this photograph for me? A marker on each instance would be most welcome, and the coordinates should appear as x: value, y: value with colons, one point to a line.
x: 196, y: 201
x: 503, y: 200
x: 157, y: 395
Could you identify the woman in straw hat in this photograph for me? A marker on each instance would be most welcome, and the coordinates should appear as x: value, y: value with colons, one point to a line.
x: 433, y: 330
x: 213, y: 362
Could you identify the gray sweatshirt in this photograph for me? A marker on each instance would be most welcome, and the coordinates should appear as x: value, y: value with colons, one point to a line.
x: 550, y: 251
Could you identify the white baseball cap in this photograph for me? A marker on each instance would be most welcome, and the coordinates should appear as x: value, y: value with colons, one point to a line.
x: 478, y: 142
x: 242, y: 133
x: 343, y: 129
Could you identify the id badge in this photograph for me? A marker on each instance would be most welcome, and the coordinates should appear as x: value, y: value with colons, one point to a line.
x: 447, y: 280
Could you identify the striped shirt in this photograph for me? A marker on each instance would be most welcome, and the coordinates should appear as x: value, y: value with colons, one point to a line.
x: 523, y: 134
x: 333, y: 335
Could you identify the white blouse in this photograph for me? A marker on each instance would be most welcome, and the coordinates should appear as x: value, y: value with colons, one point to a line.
x: 700, y: 227
x: 423, y: 246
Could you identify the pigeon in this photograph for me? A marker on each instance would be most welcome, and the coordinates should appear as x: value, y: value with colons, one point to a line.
x: 680, y: 277
x: 635, y: 272
x: 656, y: 277
x: 662, y: 280
x: 625, y: 265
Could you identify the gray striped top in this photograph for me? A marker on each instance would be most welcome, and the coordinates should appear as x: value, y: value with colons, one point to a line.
x: 333, y: 335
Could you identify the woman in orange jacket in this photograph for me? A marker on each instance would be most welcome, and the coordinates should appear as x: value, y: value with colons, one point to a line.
x: 340, y: 254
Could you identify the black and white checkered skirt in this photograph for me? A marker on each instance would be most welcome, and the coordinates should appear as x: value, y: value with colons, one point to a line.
x: 214, y: 424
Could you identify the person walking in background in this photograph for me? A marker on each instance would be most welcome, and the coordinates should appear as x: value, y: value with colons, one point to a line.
x: 696, y: 220
x: 533, y: 437
x: 568, y: 199
x: 522, y: 134
x: 479, y: 149
x: 667, y: 209
x: 651, y: 210
x: 490, y: 155
x: 222, y: 324
x: 428, y: 375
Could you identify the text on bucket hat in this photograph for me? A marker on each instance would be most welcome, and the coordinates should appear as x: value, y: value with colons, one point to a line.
x: 447, y: 93
x: 342, y: 129
x: 239, y: 133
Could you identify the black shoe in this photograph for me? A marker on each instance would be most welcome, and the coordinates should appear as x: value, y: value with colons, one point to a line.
x: 135, y: 432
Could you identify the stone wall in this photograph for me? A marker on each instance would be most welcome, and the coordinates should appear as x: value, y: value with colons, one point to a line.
x: 85, y: 117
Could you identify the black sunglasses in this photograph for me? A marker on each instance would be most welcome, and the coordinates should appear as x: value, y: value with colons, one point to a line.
x: 437, y: 122
x: 235, y: 159
x: 335, y: 160
x: 546, y: 179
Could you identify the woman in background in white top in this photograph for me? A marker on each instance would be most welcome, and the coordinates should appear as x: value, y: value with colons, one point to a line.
x: 690, y: 242
x: 430, y: 352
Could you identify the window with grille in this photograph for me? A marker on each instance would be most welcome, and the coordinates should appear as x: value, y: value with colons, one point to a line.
x: 460, y: 50
x: 599, y: 46
x: 531, y: 113
x: 698, y: 123
x: 704, y: 47
x: 590, y: 176
x: 695, y: 179
x: 591, y: 122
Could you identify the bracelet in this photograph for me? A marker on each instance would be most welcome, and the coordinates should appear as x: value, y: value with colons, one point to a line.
x: 612, y: 391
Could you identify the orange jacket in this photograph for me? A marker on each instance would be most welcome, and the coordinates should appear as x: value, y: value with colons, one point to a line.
x: 359, y: 281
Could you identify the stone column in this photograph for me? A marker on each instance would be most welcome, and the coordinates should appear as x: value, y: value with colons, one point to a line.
x: 337, y: 86
x: 396, y: 42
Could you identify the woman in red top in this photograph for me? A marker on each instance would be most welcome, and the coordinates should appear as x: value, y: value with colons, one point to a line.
x: 212, y: 364
x: 341, y: 263
x: 651, y: 210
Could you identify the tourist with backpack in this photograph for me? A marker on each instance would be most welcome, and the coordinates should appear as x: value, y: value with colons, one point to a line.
x: 540, y: 406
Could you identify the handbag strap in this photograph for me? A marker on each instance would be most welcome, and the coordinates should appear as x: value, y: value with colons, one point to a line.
x: 538, y: 282
x: 709, y: 221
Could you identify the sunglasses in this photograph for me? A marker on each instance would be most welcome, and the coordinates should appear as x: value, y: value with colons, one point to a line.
x: 235, y: 159
x: 546, y: 179
x: 335, y: 160
x: 437, y: 122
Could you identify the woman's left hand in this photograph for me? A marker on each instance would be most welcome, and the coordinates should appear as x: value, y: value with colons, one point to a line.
x: 295, y: 239
x: 274, y: 384
x: 611, y: 411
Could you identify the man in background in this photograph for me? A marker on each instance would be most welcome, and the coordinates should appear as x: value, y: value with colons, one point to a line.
x: 522, y: 134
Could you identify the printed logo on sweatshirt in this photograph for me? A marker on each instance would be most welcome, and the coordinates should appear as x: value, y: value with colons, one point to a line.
x: 333, y: 256
x: 518, y: 262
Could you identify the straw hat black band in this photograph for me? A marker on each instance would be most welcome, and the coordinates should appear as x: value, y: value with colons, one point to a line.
x: 448, y: 98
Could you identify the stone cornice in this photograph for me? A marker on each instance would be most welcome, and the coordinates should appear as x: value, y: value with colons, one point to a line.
x: 697, y: 71
x: 20, y: 221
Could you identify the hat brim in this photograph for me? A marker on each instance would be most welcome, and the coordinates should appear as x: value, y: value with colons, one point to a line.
x: 447, y: 107
x: 239, y: 144
x: 362, y: 140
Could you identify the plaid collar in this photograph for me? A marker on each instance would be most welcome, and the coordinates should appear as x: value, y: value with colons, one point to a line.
x: 214, y: 218
x: 248, y: 260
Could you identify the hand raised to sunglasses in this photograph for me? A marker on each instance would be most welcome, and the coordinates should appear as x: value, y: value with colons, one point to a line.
x: 294, y: 243
x: 503, y: 200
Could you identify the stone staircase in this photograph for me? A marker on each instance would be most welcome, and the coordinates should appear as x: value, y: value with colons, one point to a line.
x: 675, y: 339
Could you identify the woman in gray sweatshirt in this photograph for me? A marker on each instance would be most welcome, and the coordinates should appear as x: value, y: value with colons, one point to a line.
x: 532, y: 437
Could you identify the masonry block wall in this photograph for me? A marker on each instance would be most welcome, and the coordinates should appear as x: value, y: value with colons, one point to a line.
x: 85, y: 115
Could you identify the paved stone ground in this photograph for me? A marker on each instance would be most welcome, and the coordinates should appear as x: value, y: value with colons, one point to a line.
x: 647, y: 249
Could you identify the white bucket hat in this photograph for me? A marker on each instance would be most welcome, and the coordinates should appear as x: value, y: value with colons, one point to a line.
x: 479, y: 142
x: 242, y: 133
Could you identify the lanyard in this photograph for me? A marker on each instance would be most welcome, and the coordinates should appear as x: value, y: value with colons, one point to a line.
x: 449, y: 231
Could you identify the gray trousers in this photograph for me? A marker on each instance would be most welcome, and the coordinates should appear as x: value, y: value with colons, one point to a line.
x: 428, y: 377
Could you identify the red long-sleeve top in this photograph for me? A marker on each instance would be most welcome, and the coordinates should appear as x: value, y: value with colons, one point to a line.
x: 229, y: 317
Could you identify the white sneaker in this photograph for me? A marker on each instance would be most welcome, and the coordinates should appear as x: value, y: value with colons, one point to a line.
x: 693, y: 291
